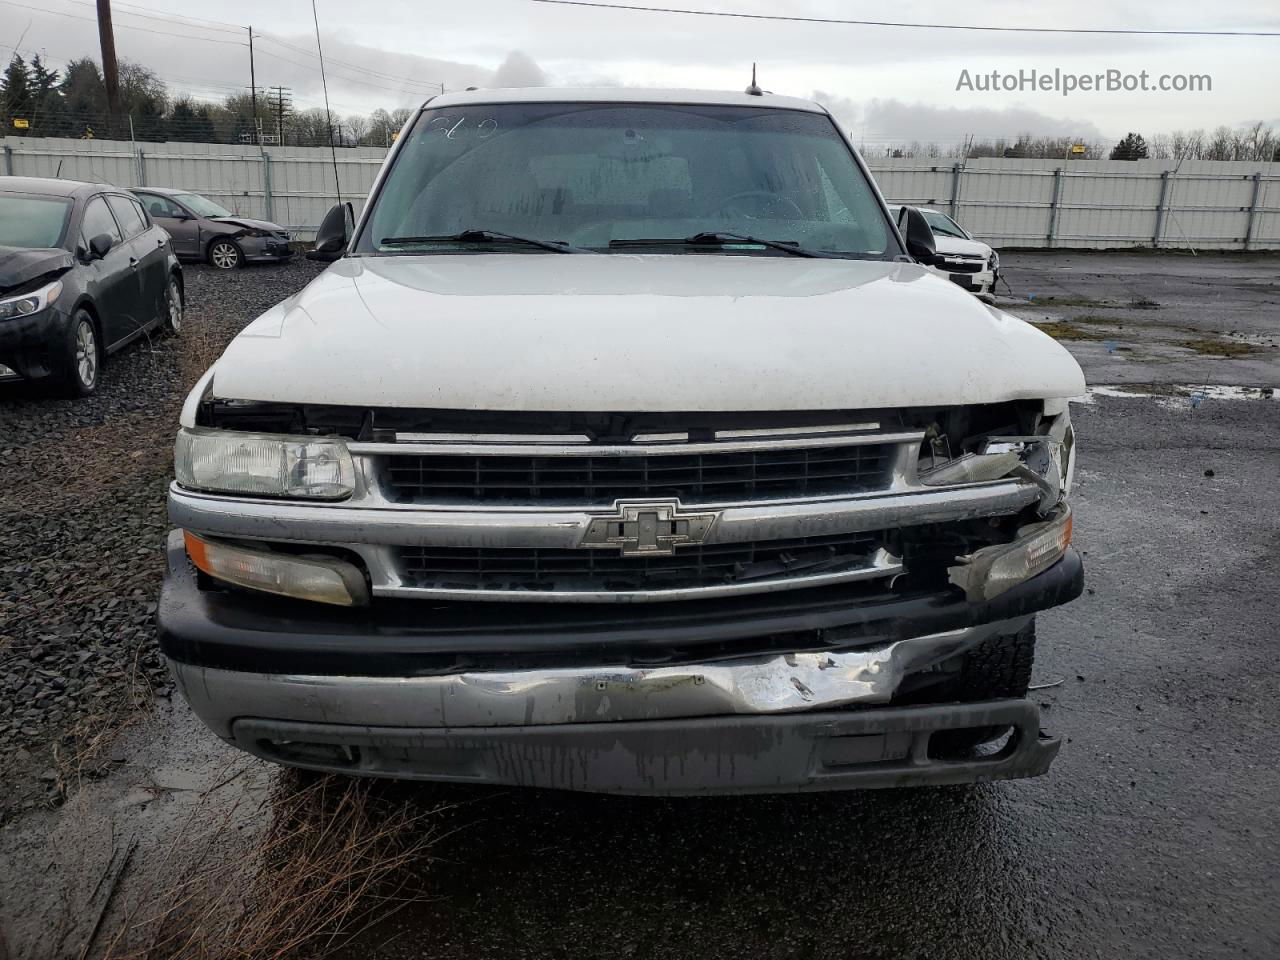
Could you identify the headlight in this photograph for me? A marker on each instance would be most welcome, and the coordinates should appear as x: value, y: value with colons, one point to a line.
x: 991, y: 571
x: 225, y: 461
x: 321, y: 579
x: 30, y: 303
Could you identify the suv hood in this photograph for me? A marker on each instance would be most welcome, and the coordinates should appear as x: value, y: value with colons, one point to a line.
x: 19, y: 266
x: 652, y: 333
x: 955, y: 246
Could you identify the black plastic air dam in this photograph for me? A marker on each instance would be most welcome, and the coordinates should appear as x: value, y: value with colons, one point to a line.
x: 800, y: 752
x: 236, y: 630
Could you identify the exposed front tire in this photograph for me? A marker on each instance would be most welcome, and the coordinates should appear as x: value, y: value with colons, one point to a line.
x: 999, y: 668
x: 173, y: 304
x: 225, y: 254
x: 82, y: 356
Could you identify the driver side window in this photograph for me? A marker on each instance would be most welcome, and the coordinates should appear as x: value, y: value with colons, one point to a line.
x: 98, y: 219
x: 160, y: 206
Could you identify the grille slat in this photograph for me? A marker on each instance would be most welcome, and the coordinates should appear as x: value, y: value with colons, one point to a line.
x: 603, y: 569
x: 779, y: 473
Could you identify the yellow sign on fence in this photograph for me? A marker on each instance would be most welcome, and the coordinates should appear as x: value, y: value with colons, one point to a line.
x: 21, y: 124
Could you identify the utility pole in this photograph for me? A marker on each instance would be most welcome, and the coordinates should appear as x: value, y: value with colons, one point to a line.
x: 253, y: 90
x: 279, y: 102
x: 110, y: 73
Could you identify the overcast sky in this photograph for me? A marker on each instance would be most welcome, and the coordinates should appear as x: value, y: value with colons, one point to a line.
x: 885, y: 83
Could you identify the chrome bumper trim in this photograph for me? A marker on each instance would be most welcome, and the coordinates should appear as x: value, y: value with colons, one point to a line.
x: 338, y: 524
x: 387, y: 583
x: 781, y: 683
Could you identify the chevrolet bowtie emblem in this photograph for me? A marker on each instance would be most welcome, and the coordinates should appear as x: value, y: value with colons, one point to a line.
x: 648, y: 528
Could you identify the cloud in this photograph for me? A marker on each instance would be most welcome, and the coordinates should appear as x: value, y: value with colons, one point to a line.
x: 519, y: 70
x: 885, y: 120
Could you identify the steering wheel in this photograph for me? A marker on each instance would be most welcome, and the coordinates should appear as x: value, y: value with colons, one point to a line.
x: 726, y: 207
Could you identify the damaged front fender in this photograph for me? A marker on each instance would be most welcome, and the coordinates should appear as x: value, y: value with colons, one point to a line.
x: 22, y: 269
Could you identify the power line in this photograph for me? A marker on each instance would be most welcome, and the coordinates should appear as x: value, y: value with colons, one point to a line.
x: 223, y: 25
x: 228, y: 28
x: 341, y: 76
x: 914, y: 26
x: 352, y: 66
x: 125, y: 26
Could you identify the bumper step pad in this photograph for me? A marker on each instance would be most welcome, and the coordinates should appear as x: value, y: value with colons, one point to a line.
x: 835, y: 750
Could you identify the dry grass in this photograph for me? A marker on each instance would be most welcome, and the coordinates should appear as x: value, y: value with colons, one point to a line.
x: 1066, y: 330
x: 1068, y: 300
x: 336, y: 858
x: 1213, y: 347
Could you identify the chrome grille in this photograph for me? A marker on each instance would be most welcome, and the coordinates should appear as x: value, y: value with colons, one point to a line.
x: 707, y: 565
x: 777, y: 473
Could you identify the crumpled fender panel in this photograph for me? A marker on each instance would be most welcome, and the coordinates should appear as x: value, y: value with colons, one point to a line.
x: 20, y: 267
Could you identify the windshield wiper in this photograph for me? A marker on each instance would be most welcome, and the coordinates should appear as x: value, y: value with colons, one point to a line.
x: 481, y: 236
x: 710, y: 238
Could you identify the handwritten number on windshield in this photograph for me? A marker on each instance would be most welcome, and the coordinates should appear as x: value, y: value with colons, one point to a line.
x: 459, y: 128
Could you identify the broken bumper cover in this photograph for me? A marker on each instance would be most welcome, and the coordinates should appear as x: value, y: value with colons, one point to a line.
x: 30, y: 345
x: 802, y: 752
x: 265, y: 249
x: 567, y: 702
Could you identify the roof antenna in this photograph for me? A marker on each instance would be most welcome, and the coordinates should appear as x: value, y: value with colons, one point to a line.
x: 753, y: 90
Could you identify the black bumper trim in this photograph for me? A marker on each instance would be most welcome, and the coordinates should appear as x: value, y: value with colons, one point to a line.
x: 862, y: 749
x: 233, y: 630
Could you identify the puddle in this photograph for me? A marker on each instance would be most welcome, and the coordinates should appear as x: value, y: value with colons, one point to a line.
x: 1182, y: 396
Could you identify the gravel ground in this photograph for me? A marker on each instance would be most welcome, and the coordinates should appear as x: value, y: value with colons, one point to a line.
x: 82, y: 525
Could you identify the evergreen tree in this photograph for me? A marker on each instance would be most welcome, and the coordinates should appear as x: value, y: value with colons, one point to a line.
x: 15, y: 93
x: 190, y: 123
x: 84, y: 97
x: 47, y: 107
x: 1132, y: 147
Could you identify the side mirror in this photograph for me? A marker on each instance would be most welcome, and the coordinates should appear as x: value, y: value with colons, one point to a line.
x: 918, y: 235
x: 100, y: 246
x: 334, y: 233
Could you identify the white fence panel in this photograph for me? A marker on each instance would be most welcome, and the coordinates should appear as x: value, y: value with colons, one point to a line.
x: 1227, y: 205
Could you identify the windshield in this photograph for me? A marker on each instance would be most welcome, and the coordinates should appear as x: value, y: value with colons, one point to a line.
x: 945, y: 226
x: 32, y: 222
x: 202, y: 206
x: 591, y: 175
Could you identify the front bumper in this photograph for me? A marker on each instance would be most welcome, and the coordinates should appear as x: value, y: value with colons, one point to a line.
x: 799, y: 752
x: 772, y: 692
x: 981, y: 283
x: 29, y: 346
x: 265, y: 249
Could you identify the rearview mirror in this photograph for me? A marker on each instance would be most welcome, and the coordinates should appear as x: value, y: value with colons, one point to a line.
x: 100, y: 246
x: 334, y: 234
x: 918, y: 235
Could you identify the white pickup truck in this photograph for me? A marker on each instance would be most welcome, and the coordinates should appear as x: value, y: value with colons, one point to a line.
x: 625, y: 446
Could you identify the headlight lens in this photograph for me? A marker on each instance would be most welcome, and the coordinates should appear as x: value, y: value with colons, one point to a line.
x: 321, y: 579
x: 991, y: 571
x: 30, y: 303
x: 225, y: 461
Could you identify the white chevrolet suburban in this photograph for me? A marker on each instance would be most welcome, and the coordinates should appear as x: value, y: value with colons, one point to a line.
x: 625, y: 445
